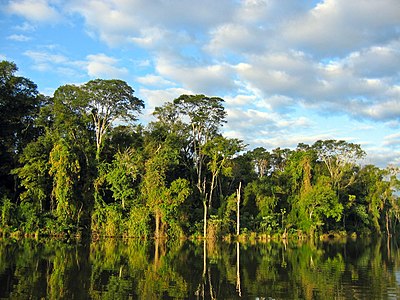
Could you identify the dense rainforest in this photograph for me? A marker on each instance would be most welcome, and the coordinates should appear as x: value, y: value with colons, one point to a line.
x: 79, y: 163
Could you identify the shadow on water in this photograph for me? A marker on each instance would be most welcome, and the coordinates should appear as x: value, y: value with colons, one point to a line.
x: 132, y: 269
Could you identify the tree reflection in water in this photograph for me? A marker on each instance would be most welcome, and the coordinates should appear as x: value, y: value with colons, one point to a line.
x: 131, y: 269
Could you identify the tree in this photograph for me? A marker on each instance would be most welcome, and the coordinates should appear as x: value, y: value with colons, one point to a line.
x: 278, y: 159
x: 379, y: 197
x: 261, y: 203
x: 19, y: 106
x: 392, y: 208
x: 161, y: 197
x: 261, y: 159
x: 123, y: 175
x: 339, y: 158
x: 219, y: 151
x: 36, y: 182
x: 205, y: 116
x: 320, y: 202
x: 72, y: 128
x: 107, y: 101
x: 65, y: 170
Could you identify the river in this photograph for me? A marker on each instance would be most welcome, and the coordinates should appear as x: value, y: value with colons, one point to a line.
x: 135, y: 269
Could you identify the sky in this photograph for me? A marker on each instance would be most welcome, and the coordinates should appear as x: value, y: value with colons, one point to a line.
x: 290, y: 71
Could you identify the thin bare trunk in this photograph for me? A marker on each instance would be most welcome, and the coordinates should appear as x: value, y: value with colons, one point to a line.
x: 238, y: 285
x: 211, y: 189
x: 156, y: 253
x: 204, y: 258
x: 387, y: 224
x: 238, y: 207
x: 158, y: 221
x: 212, y: 296
x: 205, y: 219
x: 201, y: 288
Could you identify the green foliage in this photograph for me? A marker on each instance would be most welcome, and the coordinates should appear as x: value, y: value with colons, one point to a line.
x: 30, y: 216
x: 163, y: 200
x: 66, y: 167
x: 19, y: 105
x: 7, y: 208
x: 315, y: 206
x: 123, y: 174
x: 138, y: 222
x: 107, y: 100
x: 34, y: 172
x: 269, y: 224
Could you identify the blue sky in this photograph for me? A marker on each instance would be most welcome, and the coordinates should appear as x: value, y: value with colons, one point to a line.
x: 290, y: 71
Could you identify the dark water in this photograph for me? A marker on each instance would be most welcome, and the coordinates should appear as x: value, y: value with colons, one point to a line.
x: 132, y: 269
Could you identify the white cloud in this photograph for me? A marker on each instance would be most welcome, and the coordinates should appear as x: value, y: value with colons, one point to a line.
x: 101, y: 65
x: 45, y: 61
x: 334, y: 27
x: 260, y: 126
x: 51, y: 62
x: 279, y: 64
x: 281, y: 75
x: 159, y: 97
x: 26, y: 27
x: 34, y: 10
x: 236, y: 38
x: 280, y: 52
x: 288, y: 140
x: 19, y: 38
x: 110, y: 19
x: 149, y: 37
x: 142, y: 21
x: 239, y: 100
x: 392, y: 140
x: 382, y: 110
x: 154, y: 98
x: 205, y: 79
x: 382, y: 157
x: 154, y: 80
x: 376, y: 61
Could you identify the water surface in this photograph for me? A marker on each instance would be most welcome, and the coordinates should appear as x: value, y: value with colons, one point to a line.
x: 135, y: 269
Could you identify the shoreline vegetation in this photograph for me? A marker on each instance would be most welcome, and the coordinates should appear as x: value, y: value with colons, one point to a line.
x: 243, y: 238
x: 248, y: 237
x: 79, y: 164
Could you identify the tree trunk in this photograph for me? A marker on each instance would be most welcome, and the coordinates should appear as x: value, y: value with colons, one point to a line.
x: 201, y: 288
x: 205, y: 219
x: 238, y: 285
x: 238, y: 207
x: 212, y: 187
x: 158, y: 221
x: 156, y: 253
x: 387, y: 224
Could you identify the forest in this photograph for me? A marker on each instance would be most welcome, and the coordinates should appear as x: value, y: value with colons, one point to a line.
x: 79, y: 163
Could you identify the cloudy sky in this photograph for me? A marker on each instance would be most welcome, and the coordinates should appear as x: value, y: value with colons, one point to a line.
x: 290, y: 71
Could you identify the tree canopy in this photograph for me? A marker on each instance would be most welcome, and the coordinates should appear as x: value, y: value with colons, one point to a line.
x: 80, y: 163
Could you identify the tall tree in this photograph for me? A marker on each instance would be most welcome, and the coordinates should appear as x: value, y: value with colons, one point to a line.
x: 73, y: 137
x: 205, y: 116
x: 339, y: 158
x: 262, y: 160
x: 65, y: 169
x: 19, y: 106
x: 381, y: 202
x: 219, y: 151
x: 107, y: 101
x: 123, y: 174
x: 162, y: 197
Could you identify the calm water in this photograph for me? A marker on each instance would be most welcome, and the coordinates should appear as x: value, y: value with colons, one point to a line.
x: 132, y: 269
